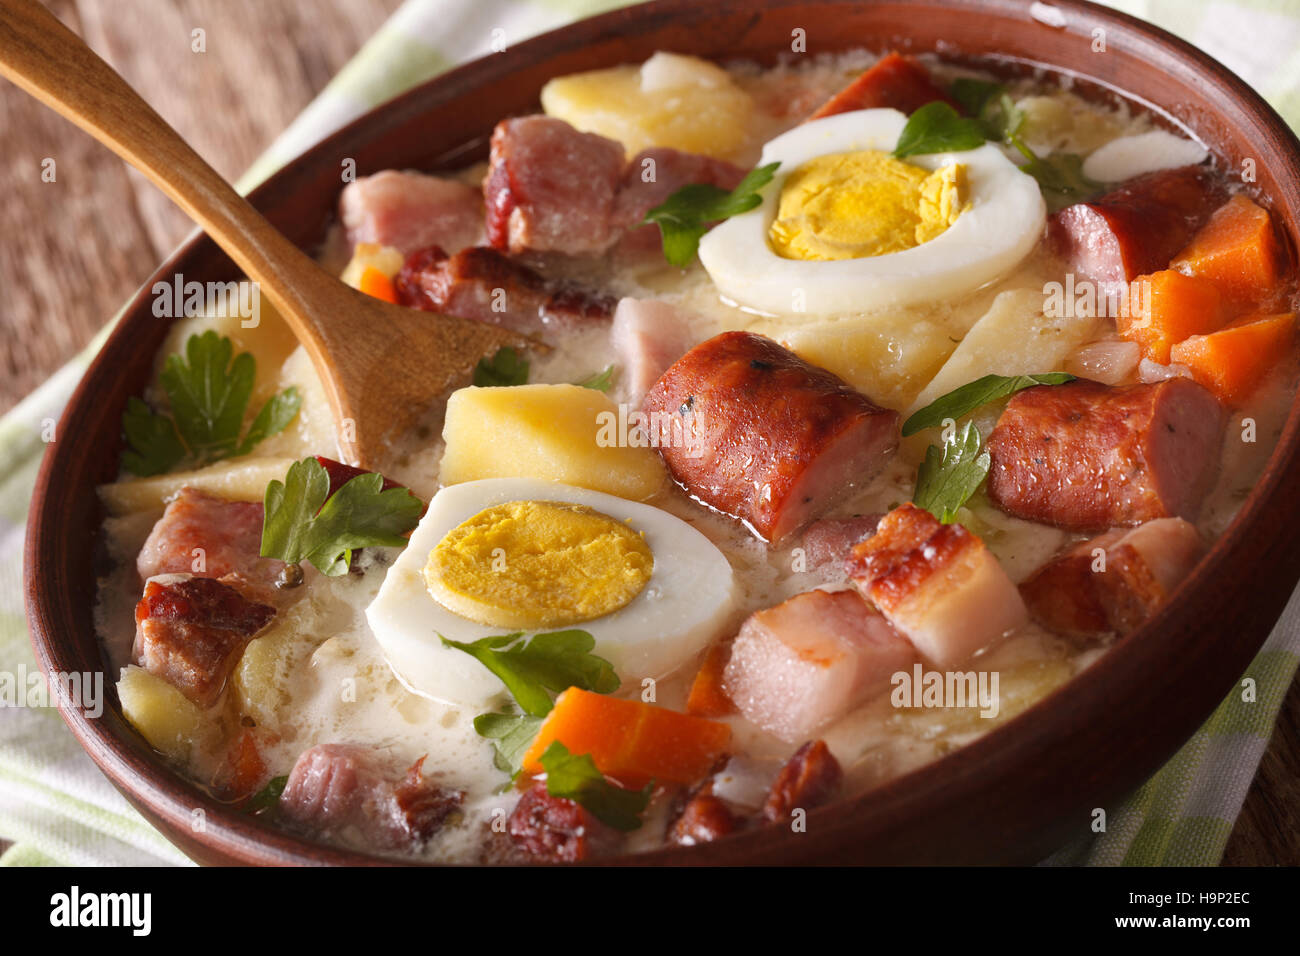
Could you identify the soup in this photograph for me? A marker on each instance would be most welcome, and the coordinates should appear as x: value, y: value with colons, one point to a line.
x: 866, y: 401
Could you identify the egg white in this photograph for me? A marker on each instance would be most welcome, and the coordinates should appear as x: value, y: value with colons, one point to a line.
x: 1004, y: 221
x: 684, y: 604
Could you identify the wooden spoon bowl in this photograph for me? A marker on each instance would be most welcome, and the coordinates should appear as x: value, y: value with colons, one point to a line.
x: 1013, y: 795
x: 383, y: 366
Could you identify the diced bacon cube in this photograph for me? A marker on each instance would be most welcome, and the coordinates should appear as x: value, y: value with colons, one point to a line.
x: 1114, y: 582
x: 551, y: 188
x: 648, y: 336
x: 800, y: 665
x: 809, y: 779
x: 410, y: 210
x: 937, y: 583
x: 211, y: 537
x: 334, y: 789
x: 191, y: 632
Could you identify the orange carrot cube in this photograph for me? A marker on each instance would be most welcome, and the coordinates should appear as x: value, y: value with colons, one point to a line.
x: 1169, y: 307
x: 1237, y: 250
x: 1232, y: 361
x: 628, y: 740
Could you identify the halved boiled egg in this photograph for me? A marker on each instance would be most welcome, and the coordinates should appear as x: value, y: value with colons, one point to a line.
x: 518, y: 554
x: 846, y: 227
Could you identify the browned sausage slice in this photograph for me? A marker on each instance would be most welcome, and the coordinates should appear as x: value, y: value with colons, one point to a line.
x: 1137, y: 228
x: 751, y: 429
x: 1089, y: 457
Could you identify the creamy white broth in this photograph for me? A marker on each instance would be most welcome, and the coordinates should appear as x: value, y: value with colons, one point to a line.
x: 332, y: 683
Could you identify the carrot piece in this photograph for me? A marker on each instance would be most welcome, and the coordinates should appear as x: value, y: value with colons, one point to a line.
x: 1232, y: 361
x: 1237, y: 250
x: 630, y: 741
x: 373, y: 282
x: 1168, y: 307
x: 896, y: 82
x: 244, y: 769
x: 707, y: 698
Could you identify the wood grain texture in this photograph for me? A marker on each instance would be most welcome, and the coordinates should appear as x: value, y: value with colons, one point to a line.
x: 74, y: 250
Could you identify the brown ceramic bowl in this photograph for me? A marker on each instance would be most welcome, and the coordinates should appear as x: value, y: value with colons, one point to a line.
x: 1013, y: 795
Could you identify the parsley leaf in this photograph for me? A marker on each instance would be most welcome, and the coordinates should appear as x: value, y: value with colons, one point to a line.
x: 949, y: 476
x: 555, y: 661
x: 304, y: 522
x: 208, y: 388
x: 510, y: 735
x: 1060, y: 176
x: 685, y: 216
x: 504, y: 368
x: 938, y: 128
x: 601, y: 381
x: 154, y: 445
x: 973, y: 95
x: 578, y: 779
x: 268, y: 797
x: 964, y: 400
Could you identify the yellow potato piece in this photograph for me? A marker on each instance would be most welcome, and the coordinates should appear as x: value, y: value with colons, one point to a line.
x: 671, y: 100
x: 1013, y: 338
x: 164, y: 716
x: 563, y: 433
x: 241, y: 479
x: 886, y: 357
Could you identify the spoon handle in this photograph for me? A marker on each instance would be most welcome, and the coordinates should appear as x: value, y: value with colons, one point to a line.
x: 53, y: 64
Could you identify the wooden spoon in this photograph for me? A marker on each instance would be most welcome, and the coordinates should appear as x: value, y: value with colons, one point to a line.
x: 382, y: 365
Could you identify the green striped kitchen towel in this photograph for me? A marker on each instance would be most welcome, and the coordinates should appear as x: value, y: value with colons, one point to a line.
x: 59, y: 810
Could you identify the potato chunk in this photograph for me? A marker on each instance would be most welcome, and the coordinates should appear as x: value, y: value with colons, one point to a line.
x: 164, y: 716
x: 243, y: 479
x: 886, y: 357
x: 563, y: 433
x: 671, y: 100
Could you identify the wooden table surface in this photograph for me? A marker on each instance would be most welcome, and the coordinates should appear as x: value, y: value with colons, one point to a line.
x: 76, y: 248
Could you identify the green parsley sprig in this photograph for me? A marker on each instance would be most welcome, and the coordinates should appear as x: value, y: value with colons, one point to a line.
x: 504, y: 368
x: 531, y: 669
x: 951, y: 474
x: 964, y: 400
x: 576, y: 777
x: 686, y: 215
x: 304, y: 522
x: 208, y: 388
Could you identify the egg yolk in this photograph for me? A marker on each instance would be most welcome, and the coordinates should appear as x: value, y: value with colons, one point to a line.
x: 867, y: 203
x: 536, y: 564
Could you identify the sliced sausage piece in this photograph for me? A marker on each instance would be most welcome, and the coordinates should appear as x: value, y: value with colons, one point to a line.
x: 191, y: 631
x: 1137, y: 228
x: 756, y: 432
x: 338, y: 788
x: 1089, y: 457
x: 895, y: 82
x: 937, y: 583
x: 797, y: 667
x: 411, y: 210
x: 551, y: 829
x: 486, y: 286
x: 648, y: 336
x: 1114, y: 582
x: 211, y: 537
x: 809, y: 779
x: 551, y: 188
